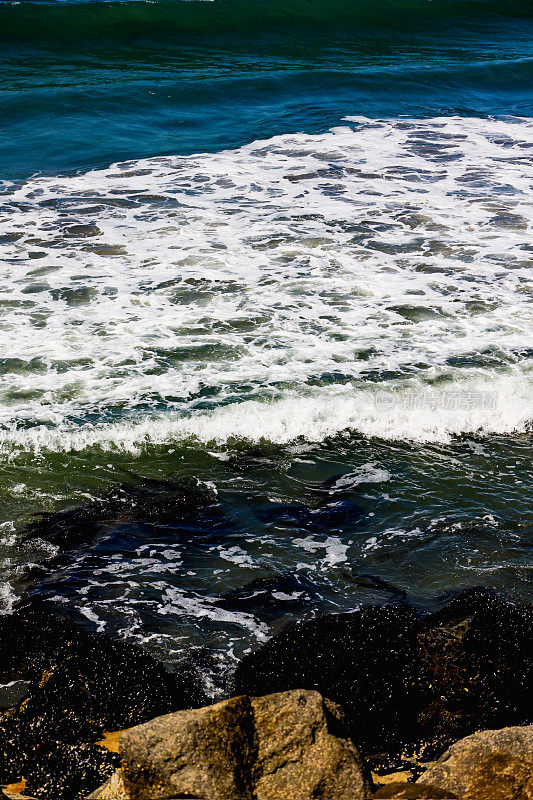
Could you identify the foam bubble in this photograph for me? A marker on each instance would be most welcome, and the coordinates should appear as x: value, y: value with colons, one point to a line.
x: 236, y: 555
x: 8, y: 598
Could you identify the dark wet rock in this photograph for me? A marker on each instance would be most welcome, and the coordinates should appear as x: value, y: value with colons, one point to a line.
x: 408, y: 682
x: 477, y: 666
x: 489, y: 765
x: 67, y: 770
x: 322, y: 514
x: 411, y: 791
x: 365, y: 581
x: 270, y: 596
x: 80, y: 684
x: 153, y: 501
x: 365, y: 661
x: 286, y: 746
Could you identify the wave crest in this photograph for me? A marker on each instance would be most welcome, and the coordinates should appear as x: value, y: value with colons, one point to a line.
x: 144, y: 19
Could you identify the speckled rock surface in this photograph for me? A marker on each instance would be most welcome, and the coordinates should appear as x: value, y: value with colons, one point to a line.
x: 204, y: 752
x: 408, y: 683
x: 304, y: 751
x: 80, y: 684
x: 489, y: 765
x: 286, y: 746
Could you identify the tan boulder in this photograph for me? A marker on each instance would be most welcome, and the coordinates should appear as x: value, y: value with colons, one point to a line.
x: 304, y: 752
x: 112, y: 789
x: 204, y: 752
x: 489, y: 765
x: 286, y: 746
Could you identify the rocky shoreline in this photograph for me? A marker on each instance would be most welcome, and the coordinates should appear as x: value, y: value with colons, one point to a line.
x: 383, y: 701
x: 295, y: 745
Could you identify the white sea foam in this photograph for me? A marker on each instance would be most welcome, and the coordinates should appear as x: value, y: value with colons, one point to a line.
x: 376, y: 278
x: 176, y: 602
x: 237, y: 556
x: 8, y: 597
x: 335, y: 550
x: 314, y: 416
x: 366, y: 473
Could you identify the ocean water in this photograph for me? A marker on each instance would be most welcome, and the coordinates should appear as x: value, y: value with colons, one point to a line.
x: 283, y: 251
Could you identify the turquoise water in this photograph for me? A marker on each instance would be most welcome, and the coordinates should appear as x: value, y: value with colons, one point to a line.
x: 283, y: 250
x: 88, y: 83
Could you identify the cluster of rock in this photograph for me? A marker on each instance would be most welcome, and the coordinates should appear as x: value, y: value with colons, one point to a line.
x: 72, y: 685
x: 295, y: 746
x: 287, y: 745
x: 408, y: 682
x: 409, y: 686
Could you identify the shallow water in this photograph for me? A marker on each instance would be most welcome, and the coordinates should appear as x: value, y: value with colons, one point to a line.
x: 286, y: 252
x: 293, y: 530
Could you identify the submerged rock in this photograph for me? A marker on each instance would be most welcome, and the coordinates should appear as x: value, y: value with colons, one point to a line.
x: 159, y: 501
x: 323, y: 514
x: 406, y: 681
x: 286, y: 746
x: 489, y: 765
x: 366, y: 581
x: 79, y: 684
x: 271, y: 597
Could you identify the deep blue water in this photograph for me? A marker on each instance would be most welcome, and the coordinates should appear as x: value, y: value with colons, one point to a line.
x: 88, y: 83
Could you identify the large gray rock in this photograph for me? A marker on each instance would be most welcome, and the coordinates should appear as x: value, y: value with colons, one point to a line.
x: 489, y: 765
x: 286, y: 746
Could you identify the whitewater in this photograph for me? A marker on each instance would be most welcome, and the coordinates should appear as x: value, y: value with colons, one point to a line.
x: 374, y: 278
